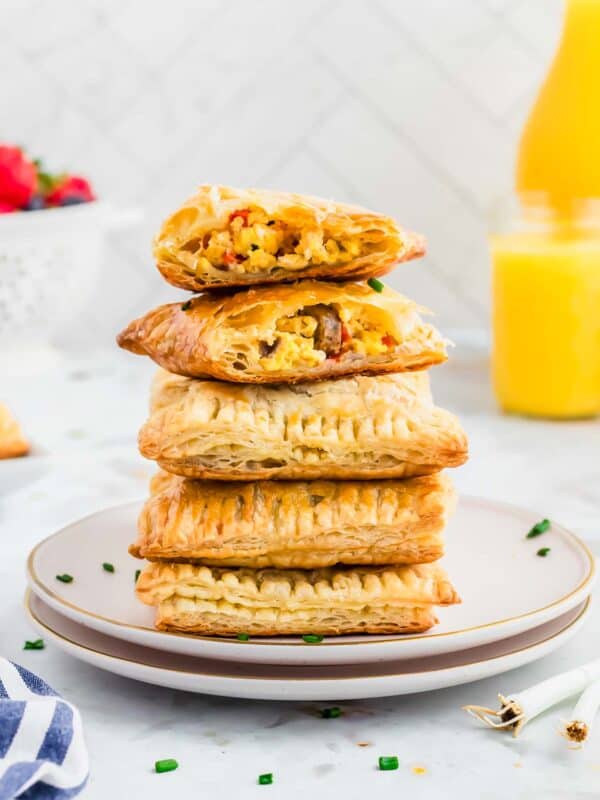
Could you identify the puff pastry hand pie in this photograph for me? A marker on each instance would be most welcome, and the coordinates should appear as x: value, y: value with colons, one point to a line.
x: 225, y: 237
x: 12, y: 441
x: 287, y: 333
x: 295, y: 524
x: 361, y: 427
x: 265, y: 602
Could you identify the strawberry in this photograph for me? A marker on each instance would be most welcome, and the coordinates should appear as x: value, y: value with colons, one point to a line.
x: 6, y: 208
x: 18, y: 178
x: 71, y: 190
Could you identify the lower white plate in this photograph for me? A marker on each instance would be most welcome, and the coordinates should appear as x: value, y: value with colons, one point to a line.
x: 505, y: 588
x: 307, y: 683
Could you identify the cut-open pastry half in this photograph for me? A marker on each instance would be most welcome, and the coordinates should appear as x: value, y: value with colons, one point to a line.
x: 287, y: 333
x: 270, y: 602
x: 301, y: 524
x: 224, y: 237
x: 363, y: 427
x: 12, y: 441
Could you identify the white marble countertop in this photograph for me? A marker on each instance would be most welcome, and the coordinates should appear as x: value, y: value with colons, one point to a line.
x: 83, y: 417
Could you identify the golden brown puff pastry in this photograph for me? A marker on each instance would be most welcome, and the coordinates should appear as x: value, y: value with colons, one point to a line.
x: 12, y: 441
x: 224, y: 237
x: 269, y: 602
x: 287, y: 333
x: 298, y: 524
x: 361, y: 427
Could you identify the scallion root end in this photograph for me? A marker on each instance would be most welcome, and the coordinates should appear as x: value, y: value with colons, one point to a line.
x: 510, y: 715
x: 576, y: 732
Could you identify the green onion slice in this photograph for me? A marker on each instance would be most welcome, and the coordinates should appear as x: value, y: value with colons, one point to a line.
x: 388, y: 762
x: 165, y: 765
x: 312, y: 638
x: 265, y: 778
x: 138, y: 572
x: 543, y: 551
x: 108, y: 567
x: 331, y: 713
x: 65, y: 578
x: 187, y: 305
x: 376, y: 285
x: 243, y: 637
x: 539, y: 528
x: 37, y: 644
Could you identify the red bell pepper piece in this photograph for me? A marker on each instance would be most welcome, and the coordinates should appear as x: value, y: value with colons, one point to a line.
x: 243, y: 213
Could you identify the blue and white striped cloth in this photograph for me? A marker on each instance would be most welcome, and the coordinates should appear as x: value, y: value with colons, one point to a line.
x: 42, y: 752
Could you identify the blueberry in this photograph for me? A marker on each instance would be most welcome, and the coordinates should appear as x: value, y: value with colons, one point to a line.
x: 36, y: 202
x: 71, y: 201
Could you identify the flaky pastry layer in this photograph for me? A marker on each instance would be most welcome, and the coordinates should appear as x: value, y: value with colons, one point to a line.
x: 295, y: 524
x: 287, y: 333
x: 361, y: 427
x: 224, y: 237
x: 266, y: 602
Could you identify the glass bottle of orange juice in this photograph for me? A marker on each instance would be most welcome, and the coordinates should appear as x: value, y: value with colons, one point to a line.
x: 546, y: 270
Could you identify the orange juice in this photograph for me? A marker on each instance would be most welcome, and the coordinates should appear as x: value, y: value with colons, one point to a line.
x: 546, y: 272
x: 546, y: 321
x: 559, y: 153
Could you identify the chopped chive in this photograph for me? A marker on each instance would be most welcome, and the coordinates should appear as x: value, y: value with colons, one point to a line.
x: 138, y: 572
x: 376, y: 285
x: 187, y: 305
x: 243, y: 637
x: 543, y: 551
x: 37, y: 644
x: 331, y: 713
x: 539, y: 528
x: 388, y: 762
x: 165, y: 765
x: 65, y: 578
x: 108, y: 567
x: 312, y: 638
x: 265, y: 779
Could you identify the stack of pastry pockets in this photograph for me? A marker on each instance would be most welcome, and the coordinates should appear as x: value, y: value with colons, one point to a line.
x: 300, y: 488
x: 224, y: 237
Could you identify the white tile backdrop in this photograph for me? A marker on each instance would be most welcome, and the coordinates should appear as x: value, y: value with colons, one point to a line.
x: 412, y: 107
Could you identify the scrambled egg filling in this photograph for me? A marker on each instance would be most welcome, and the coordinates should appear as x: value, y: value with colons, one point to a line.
x: 253, y: 243
x: 367, y: 338
x: 296, y: 341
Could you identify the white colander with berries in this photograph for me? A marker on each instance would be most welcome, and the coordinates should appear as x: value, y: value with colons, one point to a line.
x: 49, y: 265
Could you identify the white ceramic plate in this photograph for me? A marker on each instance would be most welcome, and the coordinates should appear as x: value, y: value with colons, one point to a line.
x: 505, y: 589
x: 293, y: 682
